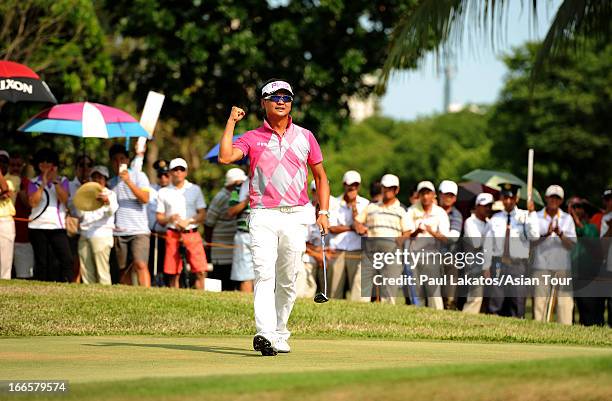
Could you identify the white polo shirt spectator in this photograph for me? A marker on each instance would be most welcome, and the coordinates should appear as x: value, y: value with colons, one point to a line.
x: 346, y: 265
x: 183, y: 201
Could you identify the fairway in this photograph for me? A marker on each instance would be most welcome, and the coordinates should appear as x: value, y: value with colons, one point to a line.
x: 165, y: 344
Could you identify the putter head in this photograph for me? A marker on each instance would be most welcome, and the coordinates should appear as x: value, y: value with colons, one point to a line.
x: 320, y: 298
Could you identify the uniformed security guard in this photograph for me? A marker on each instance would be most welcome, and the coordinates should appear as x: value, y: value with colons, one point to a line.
x: 507, y: 251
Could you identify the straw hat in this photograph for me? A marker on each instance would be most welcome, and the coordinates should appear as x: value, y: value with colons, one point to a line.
x: 85, y: 198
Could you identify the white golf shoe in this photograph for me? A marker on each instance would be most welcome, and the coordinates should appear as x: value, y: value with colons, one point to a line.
x: 282, y: 346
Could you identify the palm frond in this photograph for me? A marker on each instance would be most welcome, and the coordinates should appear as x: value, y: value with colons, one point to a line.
x: 575, y: 22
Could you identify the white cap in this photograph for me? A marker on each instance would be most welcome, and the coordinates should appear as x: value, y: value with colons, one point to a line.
x: 313, y: 185
x: 178, y: 162
x: 448, y: 187
x: 4, y: 153
x: 389, y: 180
x: 103, y: 171
x: 233, y: 175
x: 484, y: 199
x: 555, y: 190
x: 426, y: 185
x: 275, y: 86
x: 351, y: 177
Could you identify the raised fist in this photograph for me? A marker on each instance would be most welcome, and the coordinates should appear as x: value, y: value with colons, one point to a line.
x: 236, y: 114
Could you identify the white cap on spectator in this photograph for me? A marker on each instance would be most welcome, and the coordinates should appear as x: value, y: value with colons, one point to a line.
x: 426, y: 185
x: 4, y: 153
x: 178, y: 162
x: 351, y: 177
x: 484, y: 199
x: 233, y: 175
x: 448, y: 187
x: 389, y: 180
x: 555, y: 190
x: 103, y: 171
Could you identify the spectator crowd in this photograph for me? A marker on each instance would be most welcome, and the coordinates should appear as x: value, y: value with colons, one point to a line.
x: 114, y: 226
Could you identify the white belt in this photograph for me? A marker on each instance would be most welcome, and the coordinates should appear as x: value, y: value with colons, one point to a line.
x: 285, y: 209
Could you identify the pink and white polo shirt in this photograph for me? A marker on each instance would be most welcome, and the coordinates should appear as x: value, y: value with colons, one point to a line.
x: 279, y: 164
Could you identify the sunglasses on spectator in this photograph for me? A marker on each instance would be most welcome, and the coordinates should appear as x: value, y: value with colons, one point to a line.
x: 277, y: 98
x: 179, y: 169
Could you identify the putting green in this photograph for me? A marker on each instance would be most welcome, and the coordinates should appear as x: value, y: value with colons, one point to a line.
x: 96, y: 359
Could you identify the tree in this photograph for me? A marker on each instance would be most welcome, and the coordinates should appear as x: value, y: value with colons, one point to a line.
x: 566, y: 119
x: 442, y: 23
x: 212, y: 54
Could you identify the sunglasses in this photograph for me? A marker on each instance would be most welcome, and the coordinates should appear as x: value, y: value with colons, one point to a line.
x: 277, y: 98
x: 179, y: 169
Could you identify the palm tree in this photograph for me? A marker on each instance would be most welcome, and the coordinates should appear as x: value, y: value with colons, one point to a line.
x: 440, y: 25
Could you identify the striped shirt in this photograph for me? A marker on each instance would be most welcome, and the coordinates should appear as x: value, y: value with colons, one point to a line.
x: 131, y: 217
x: 385, y: 221
x: 224, y: 227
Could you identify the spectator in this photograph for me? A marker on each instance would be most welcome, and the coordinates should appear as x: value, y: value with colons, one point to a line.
x: 157, y: 243
x: 386, y: 222
x: 552, y: 257
x: 7, y: 224
x: 448, y: 198
x: 346, y: 266
x: 311, y: 275
x: 586, y: 261
x: 220, y: 228
x: 242, y: 260
x: 606, y: 235
x: 96, y: 239
x: 507, y: 251
x: 23, y: 258
x: 181, y: 207
x: 82, y: 169
x: 131, y: 223
x: 48, y: 196
x: 375, y: 192
x: 475, y: 228
x: 432, y: 227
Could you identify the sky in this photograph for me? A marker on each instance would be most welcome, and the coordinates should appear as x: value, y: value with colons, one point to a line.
x: 478, y: 74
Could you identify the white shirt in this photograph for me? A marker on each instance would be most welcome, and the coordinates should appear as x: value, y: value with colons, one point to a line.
x: 436, y: 218
x: 550, y: 254
x: 343, y: 216
x: 53, y: 217
x: 523, y: 229
x: 100, y: 222
x: 606, y: 221
x: 184, y: 201
x: 475, y: 230
x: 152, y: 210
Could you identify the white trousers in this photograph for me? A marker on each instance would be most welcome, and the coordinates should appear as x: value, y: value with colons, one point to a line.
x: 7, y: 241
x: 278, y: 240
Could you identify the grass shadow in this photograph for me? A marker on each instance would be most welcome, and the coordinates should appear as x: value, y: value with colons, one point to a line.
x: 180, y: 347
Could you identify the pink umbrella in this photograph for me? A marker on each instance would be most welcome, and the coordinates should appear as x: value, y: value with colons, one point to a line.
x: 86, y: 120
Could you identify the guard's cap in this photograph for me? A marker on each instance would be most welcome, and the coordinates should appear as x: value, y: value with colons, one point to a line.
x: 509, y: 189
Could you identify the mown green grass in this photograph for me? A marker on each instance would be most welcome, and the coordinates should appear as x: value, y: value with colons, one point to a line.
x: 45, y: 309
x: 553, y: 379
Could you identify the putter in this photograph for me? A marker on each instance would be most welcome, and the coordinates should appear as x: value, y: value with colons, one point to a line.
x: 321, y: 297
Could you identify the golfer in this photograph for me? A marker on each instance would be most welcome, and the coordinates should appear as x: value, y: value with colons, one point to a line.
x: 280, y: 153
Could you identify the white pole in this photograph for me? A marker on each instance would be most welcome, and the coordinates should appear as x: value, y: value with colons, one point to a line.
x: 530, y: 176
x: 149, y: 117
